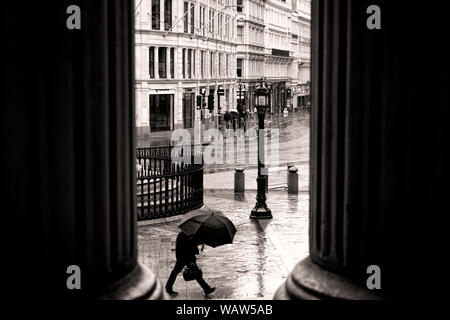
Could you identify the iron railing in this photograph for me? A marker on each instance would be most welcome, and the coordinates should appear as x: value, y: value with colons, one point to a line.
x: 168, y: 187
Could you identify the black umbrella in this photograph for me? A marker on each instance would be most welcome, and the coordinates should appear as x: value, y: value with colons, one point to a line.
x: 212, y: 228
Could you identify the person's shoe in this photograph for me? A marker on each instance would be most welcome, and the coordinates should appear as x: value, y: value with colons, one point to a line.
x: 210, y: 290
x: 171, y: 292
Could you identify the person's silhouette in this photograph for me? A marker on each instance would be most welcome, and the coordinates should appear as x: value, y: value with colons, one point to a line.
x: 185, y: 251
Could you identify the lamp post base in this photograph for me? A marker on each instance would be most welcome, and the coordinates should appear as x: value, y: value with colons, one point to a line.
x: 260, y: 211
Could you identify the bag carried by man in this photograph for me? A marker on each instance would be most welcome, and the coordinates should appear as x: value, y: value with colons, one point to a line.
x: 192, y: 272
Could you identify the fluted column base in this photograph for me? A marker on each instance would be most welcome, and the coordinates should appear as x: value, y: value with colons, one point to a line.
x: 139, y: 284
x: 309, y: 281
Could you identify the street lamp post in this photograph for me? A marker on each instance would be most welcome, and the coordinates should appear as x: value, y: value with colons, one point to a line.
x: 261, y: 211
x: 240, y: 108
x: 220, y: 92
x: 269, y: 101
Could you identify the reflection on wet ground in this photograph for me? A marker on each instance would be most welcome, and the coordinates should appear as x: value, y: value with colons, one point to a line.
x: 262, y: 255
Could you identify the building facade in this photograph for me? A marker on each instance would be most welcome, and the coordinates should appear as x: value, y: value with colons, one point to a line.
x: 303, y: 89
x: 182, y: 49
x: 274, y: 42
x: 250, y: 49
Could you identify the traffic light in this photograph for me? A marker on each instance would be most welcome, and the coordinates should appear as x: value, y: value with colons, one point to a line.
x: 211, y: 103
x: 199, y: 102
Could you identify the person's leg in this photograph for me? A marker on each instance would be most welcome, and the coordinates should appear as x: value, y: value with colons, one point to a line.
x: 173, y: 275
x: 206, y: 287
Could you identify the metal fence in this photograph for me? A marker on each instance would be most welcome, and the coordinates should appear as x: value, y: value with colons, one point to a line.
x: 167, y: 187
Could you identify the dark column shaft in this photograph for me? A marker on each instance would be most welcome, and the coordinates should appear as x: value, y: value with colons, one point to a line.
x: 68, y: 140
x: 378, y: 170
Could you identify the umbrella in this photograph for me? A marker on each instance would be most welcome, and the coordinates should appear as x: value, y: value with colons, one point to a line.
x: 212, y: 228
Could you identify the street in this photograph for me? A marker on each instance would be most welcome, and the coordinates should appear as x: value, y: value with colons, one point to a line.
x: 263, y: 252
x: 293, y: 142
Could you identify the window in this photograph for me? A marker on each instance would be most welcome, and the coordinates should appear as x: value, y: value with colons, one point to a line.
x: 151, y: 60
x: 186, y: 17
x: 161, y: 110
x: 225, y: 27
x: 155, y: 15
x: 204, y: 18
x: 192, y: 13
x: 226, y: 65
x: 189, y: 60
x: 239, y: 4
x: 212, y: 24
x: 240, y: 37
x: 202, y: 56
x: 188, y: 110
x: 167, y: 14
x: 200, y: 20
x: 172, y: 63
x: 220, y: 62
x: 162, y: 67
x: 239, y: 67
x: 209, y: 21
x: 183, y: 58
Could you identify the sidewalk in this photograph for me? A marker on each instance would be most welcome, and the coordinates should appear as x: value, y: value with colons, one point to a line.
x: 261, y: 256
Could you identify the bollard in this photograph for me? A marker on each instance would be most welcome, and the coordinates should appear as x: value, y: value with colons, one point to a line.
x: 287, y: 172
x: 293, y: 180
x: 239, y: 180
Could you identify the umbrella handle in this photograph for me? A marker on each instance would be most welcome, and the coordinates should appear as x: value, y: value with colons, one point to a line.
x: 203, y: 246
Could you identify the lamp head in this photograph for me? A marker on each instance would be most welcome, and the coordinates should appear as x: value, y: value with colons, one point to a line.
x: 262, y: 98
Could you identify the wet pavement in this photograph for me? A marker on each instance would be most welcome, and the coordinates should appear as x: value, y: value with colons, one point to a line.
x: 293, y: 142
x: 264, y: 252
x: 260, y: 258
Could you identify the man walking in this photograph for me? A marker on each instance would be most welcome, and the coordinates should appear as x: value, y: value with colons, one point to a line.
x: 185, y: 251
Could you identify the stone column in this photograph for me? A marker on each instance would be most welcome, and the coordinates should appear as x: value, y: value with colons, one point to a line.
x: 156, y: 62
x: 186, y: 64
x: 161, y: 14
x: 178, y: 63
x: 168, y: 63
x: 69, y: 136
x: 193, y: 64
x: 378, y: 170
